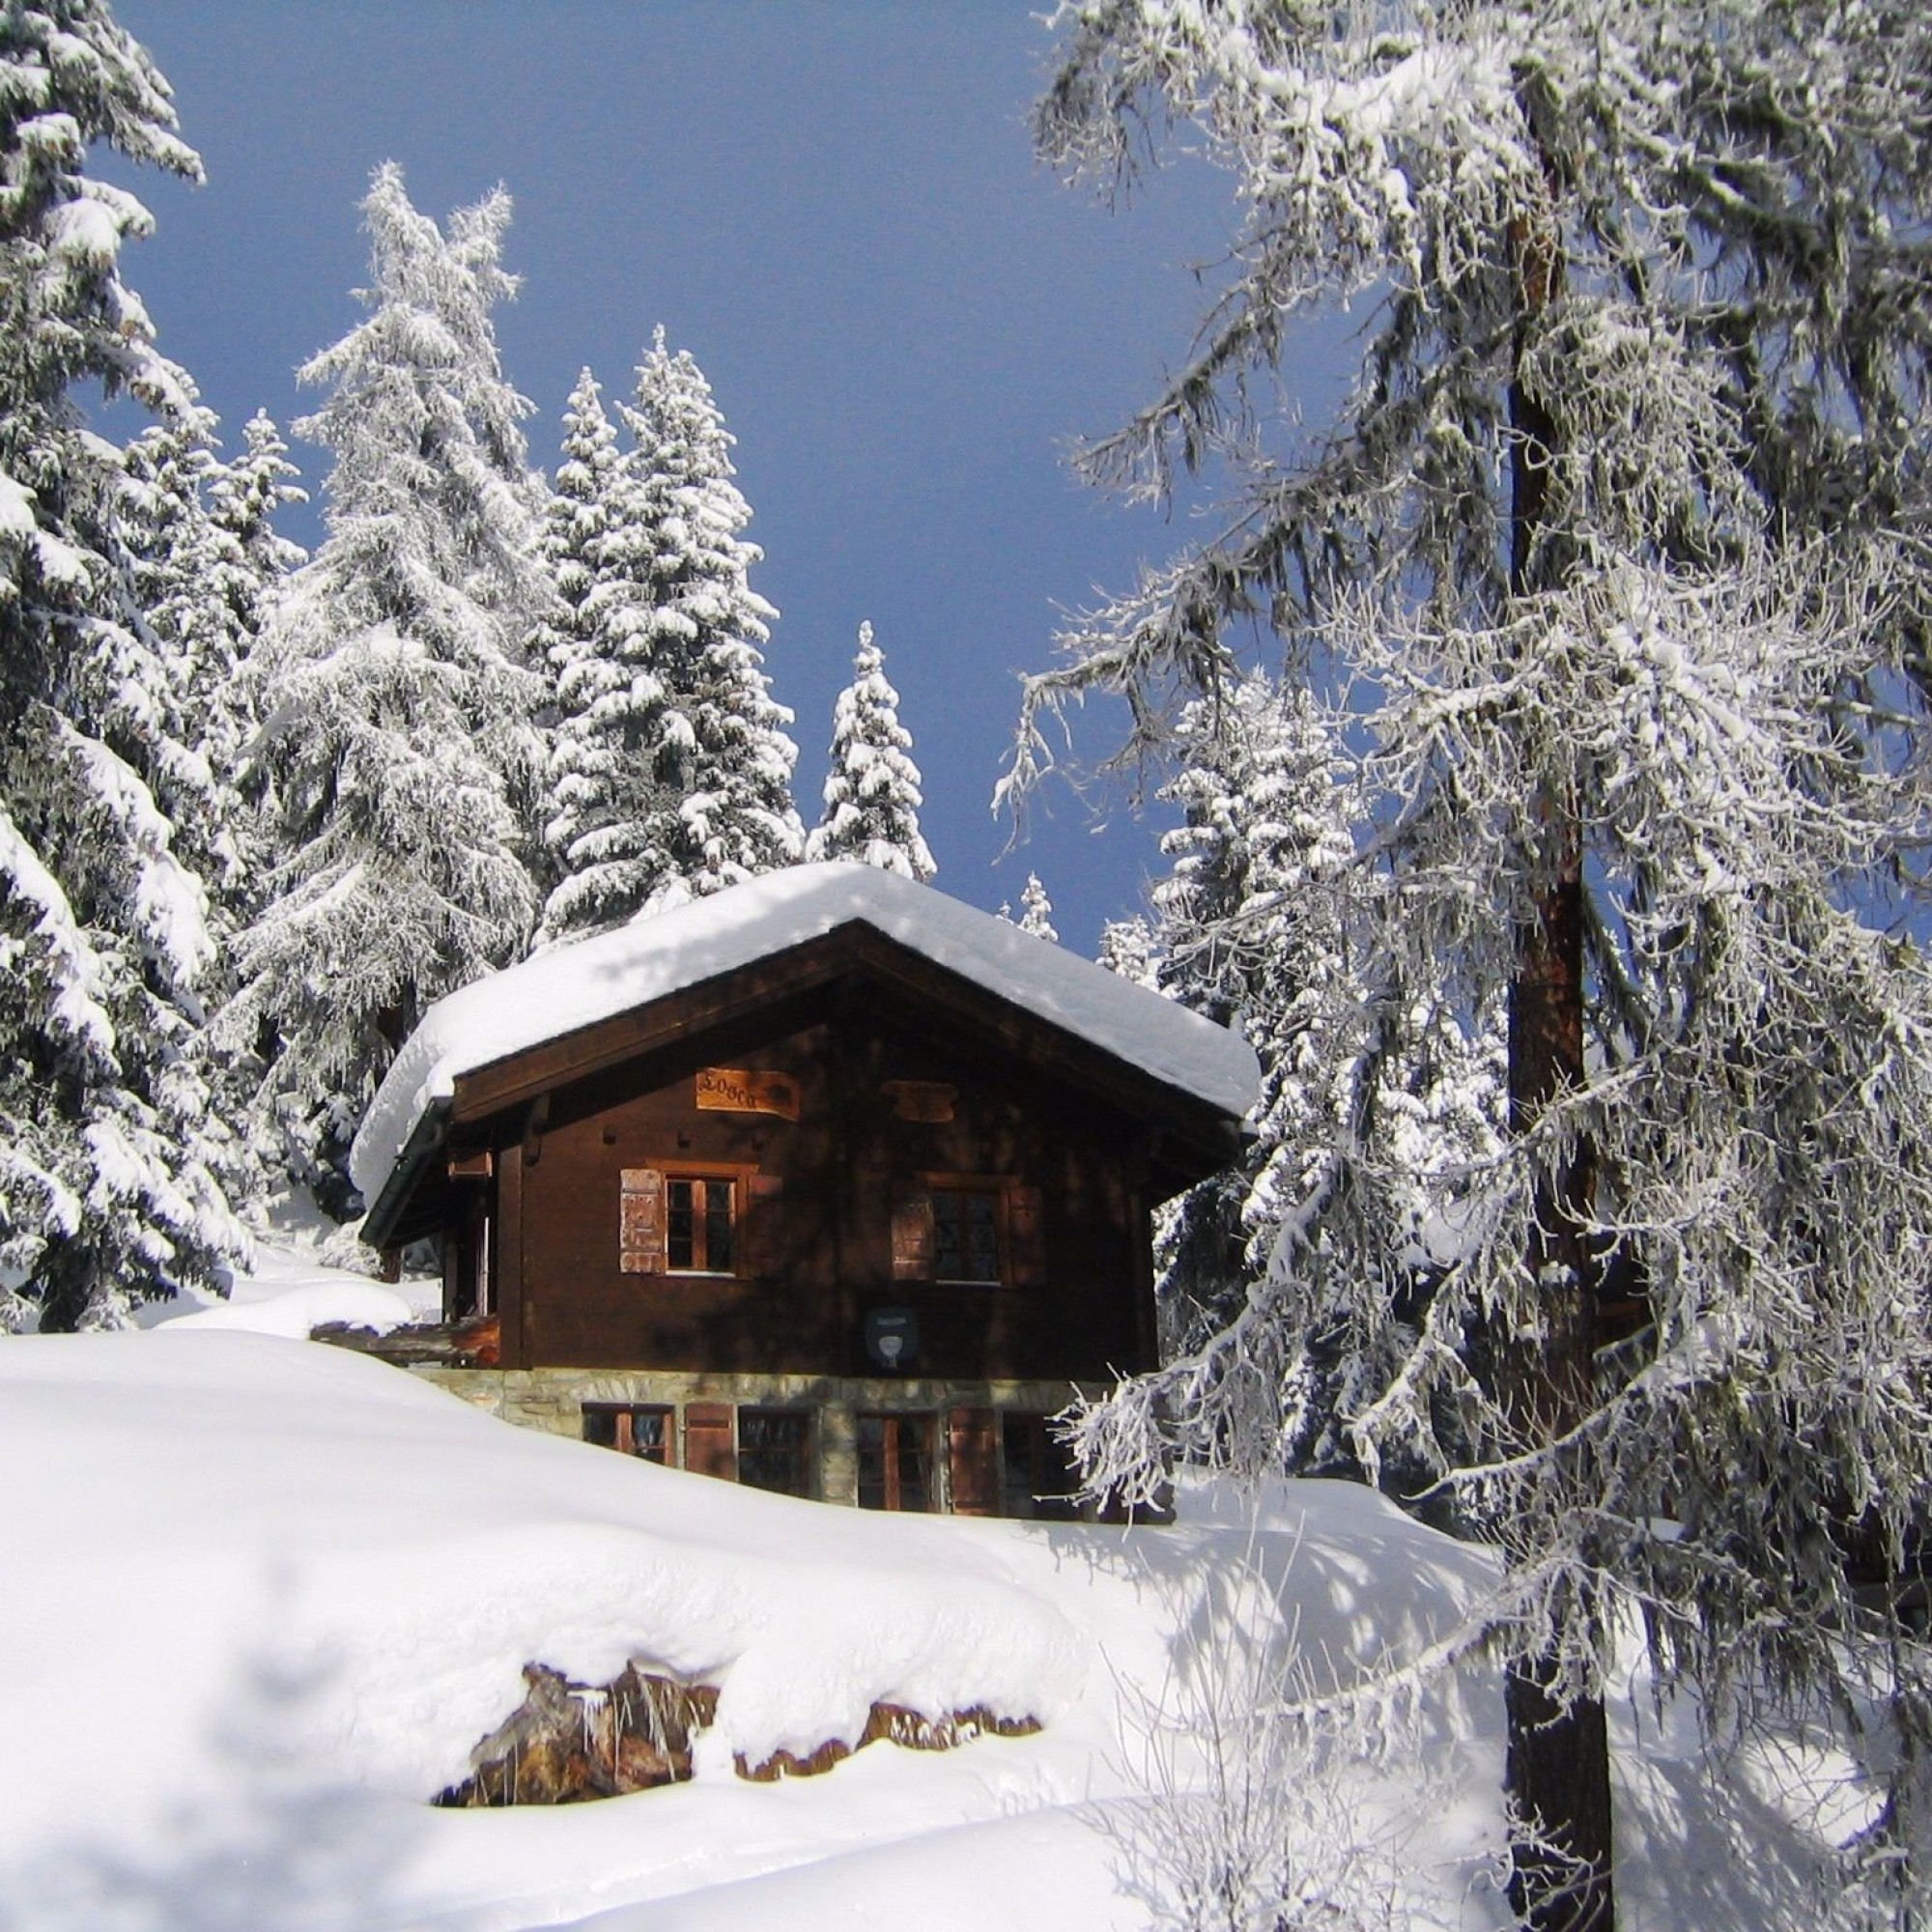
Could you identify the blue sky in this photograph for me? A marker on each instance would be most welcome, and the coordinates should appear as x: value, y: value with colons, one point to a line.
x: 834, y: 207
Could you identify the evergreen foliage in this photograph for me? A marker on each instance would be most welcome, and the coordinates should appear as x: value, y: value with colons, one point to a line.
x: 670, y: 775
x: 1612, y: 542
x: 1036, y: 910
x: 398, y: 743
x: 1128, y: 948
x: 612, y: 811
x: 872, y: 790
x: 245, y: 496
x: 107, y: 1189
x: 717, y: 742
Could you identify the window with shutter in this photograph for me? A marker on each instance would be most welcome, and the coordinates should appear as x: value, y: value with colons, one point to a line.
x: 970, y: 1230
x: 633, y: 1428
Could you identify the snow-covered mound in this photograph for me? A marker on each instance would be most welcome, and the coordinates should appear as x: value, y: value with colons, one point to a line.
x: 291, y: 1291
x: 577, y: 985
x: 261, y: 1598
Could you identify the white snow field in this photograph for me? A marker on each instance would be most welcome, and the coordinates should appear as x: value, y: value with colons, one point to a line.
x: 261, y: 1597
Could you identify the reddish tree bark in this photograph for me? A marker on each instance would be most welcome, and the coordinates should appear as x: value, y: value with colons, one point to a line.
x: 1558, y: 1762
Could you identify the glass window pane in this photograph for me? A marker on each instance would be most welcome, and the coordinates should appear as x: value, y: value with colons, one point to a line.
x: 966, y: 1235
x: 680, y: 1225
x: 949, y: 1238
x: 982, y: 1237
x: 774, y: 1450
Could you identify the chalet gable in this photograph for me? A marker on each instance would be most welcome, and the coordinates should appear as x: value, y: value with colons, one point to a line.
x: 792, y: 942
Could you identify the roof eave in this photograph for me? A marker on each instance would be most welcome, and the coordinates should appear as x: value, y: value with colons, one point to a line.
x: 390, y: 1206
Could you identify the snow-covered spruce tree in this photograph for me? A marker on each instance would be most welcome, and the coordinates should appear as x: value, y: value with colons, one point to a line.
x: 196, y: 591
x: 1609, y: 534
x: 1130, y: 950
x: 872, y: 791
x: 399, y: 743
x: 712, y: 737
x: 623, y: 684
x: 1037, y: 910
x: 1250, y: 866
x: 106, y: 1194
x: 594, y: 645
x: 245, y: 495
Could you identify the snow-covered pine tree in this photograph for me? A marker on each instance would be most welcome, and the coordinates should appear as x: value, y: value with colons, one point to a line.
x: 106, y: 1193
x: 1245, y: 935
x: 195, y: 589
x: 245, y: 495
x: 872, y: 790
x: 399, y: 744
x: 612, y: 818
x: 713, y: 737
x: 1036, y: 910
x: 1606, y: 536
x: 1130, y: 950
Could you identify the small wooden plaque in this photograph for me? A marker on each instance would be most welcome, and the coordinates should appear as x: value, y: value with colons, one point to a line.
x: 731, y: 1090
x: 925, y: 1100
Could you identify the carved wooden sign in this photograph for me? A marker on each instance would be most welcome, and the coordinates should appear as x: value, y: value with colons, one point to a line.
x: 927, y: 1101
x: 731, y: 1090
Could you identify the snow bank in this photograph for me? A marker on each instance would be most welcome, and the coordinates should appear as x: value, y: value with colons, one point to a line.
x: 296, y: 1312
x: 579, y: 984
x: 290, y: 1291
x: 261, y: 1597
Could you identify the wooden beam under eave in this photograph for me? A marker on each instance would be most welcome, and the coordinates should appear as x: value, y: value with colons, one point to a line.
x: 507, y: 1262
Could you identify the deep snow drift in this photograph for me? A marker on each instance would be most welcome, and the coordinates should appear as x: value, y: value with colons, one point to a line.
x: 263, y: 1597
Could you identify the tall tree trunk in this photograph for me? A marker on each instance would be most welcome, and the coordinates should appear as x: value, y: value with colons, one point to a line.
x: 1558, y: 1762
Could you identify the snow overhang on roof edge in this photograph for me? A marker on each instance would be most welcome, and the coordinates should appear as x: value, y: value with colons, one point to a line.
x: 591, y: 980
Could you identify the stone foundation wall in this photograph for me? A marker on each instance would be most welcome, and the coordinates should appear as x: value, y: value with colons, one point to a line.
x: 554, y: 1400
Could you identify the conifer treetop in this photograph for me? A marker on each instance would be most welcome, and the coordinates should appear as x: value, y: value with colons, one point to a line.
x: 872, y: 791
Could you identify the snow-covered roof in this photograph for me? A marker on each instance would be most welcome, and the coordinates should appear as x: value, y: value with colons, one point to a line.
x: 578, y: 984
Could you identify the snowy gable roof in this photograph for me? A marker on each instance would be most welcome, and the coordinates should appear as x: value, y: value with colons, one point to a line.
x: 593, y: 979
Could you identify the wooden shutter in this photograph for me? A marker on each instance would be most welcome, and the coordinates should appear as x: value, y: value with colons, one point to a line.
x: 641, y: 1222
x: 1026, y: 1236
x: 973, y: 1460
x: 764, y: 1247
x: 710, y: 1439
x: 915, y: 1242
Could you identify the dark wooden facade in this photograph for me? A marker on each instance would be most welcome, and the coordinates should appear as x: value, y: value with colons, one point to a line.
x: 781, y: 1170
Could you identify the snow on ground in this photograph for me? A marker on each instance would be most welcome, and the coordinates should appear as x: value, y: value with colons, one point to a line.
x: 263, y: 1596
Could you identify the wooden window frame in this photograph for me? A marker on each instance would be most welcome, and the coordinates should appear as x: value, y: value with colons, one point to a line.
x: 624, y: 1415
x: 1041, y: 1450
x: 745, y: 1181
x: 701, y: 1186
x: 806, y: 1452
x: 1018, y: 1222
x: 894, y: 1423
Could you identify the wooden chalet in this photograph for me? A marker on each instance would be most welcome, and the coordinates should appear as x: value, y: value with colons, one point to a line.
x: 828, y: 1183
